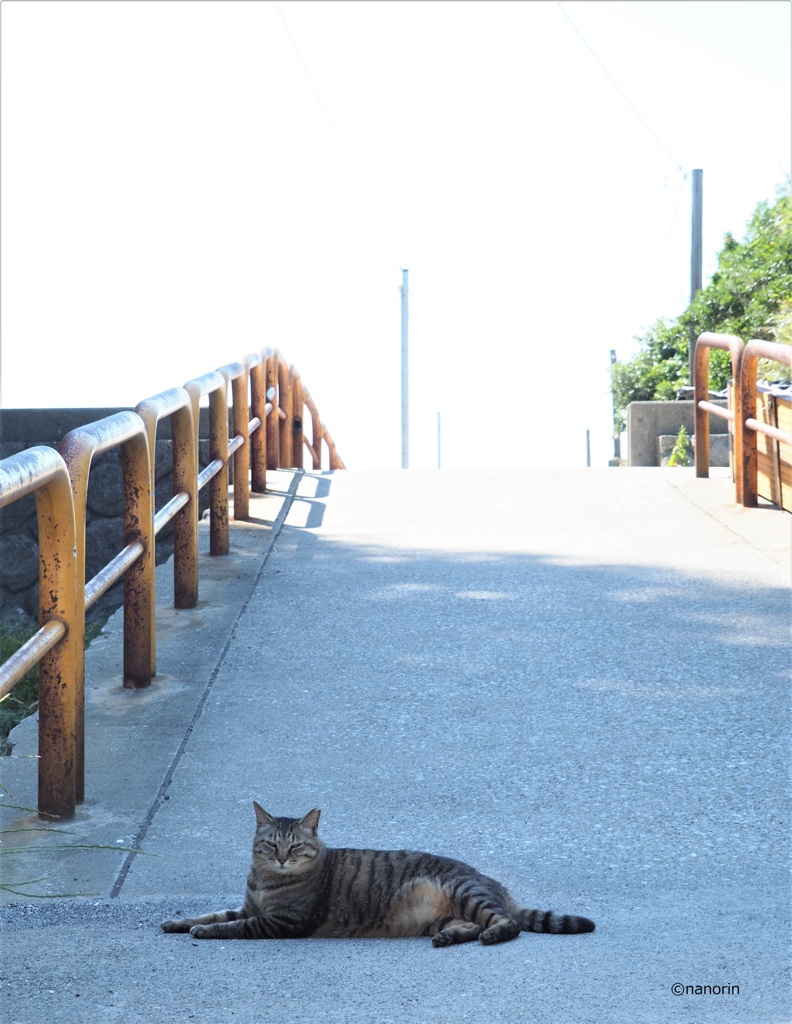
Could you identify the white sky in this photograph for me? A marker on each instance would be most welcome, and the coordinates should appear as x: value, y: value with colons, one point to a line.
x: 177, y: 192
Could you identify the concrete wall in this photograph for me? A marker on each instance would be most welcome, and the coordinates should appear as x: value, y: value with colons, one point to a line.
x: 647, y: 422
x: 19, y: 561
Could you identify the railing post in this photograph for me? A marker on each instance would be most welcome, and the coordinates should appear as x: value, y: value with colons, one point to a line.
x: 236, y: 374
x: 176, y: 403
x: 78, y: 462
x: 286, y: 399
x: 748, y: 411
x: 701, y: 417
x: 241, y: 422
x: 139, y: 579
x: 297, y: 421
x: 258, y: 411
x: 755, y: 350
x: 127, y: 430
x: 218, y: 486
x: 273, y: 419
x: 185, y: 524
x: 41, y: 471
x: 215, y: 386
x: 733, y: 345
x: 61, y: 769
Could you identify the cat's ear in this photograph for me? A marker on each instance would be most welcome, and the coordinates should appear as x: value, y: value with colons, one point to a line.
x: 311, y: 819
x: 261, y: 815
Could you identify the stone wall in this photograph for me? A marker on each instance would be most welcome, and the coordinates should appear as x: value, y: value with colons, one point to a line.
x: 648, y: 422
x: 19, y: 559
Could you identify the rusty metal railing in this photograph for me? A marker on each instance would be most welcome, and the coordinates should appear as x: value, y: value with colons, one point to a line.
x: 755, y: 350
x: 182, y: 508
x: 745, y: 425
x: 135, y: 563
x: 41, y: 471
x: 728, y: 343
x: 266, y: 415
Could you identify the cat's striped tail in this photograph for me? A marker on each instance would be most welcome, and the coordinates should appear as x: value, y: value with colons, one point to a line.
x: 557, y: 924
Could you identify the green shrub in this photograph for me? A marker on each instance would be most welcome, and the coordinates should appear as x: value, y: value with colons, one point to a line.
x: 23, y: 699
x: 750, y: 295
x: 682, y: 450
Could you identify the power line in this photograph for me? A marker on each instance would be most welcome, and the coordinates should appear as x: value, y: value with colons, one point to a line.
x: 671, y: 231
x: 617, y: 87
x: 321, y: 105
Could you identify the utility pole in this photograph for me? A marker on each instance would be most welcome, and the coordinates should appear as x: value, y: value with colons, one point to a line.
x: 696, y: 245
x: 405, y: 377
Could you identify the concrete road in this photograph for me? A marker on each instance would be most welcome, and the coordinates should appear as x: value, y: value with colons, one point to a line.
x: 576, y: 680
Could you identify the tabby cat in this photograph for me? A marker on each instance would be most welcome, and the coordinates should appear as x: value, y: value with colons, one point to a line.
x: 298, y: 887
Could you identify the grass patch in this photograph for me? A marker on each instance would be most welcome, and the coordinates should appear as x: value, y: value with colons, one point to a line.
x: 23, y: 699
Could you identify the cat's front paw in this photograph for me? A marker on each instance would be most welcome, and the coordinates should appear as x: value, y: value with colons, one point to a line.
x: 175, y: 926
x: 441, y: 939
x: 202, y: 931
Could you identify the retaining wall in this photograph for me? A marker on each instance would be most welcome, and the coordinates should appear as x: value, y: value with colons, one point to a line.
x: 647, y: 422
x: 19, y: 559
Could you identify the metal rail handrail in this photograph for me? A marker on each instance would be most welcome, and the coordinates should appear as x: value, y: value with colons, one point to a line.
x: 215, y: 386
x: 745, y: 425
x: 237, y: 375
x: 728, y: 343
x: 183, y: 506
x: 124, y: 430
x: 320, y: 433
x: 41, y: 471
x: 755, y: 350
x: 59, y: 480
x: 257, y: 428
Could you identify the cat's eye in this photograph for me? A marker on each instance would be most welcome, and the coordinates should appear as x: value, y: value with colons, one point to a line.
x: 297, y: 847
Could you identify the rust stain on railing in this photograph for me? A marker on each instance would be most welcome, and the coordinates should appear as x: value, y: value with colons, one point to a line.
x: 266, y: 393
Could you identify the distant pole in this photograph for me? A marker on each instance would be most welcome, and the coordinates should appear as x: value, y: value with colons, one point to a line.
x: 438, y: 441
x: 405, y: 377
x: 616, y: 437
x: 588, y: 449
x: 696, y: 247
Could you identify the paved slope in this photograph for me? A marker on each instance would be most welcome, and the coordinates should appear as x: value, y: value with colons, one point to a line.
x: 577, y: 681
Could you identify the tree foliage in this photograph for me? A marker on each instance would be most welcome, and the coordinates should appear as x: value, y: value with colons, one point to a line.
x: 750, y: 295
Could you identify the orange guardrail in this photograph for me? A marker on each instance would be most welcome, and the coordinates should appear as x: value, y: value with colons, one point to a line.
x: 42, y: 471
x: 732, y: 344
x: 745, y: 425
x: 266, y: 414
x: 135, y: 563
x: 755, y: 350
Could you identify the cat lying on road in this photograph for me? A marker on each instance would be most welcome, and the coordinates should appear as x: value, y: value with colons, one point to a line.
x: 298, y: 887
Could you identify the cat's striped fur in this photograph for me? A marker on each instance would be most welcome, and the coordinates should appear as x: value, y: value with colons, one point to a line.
x: 298, y: 887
